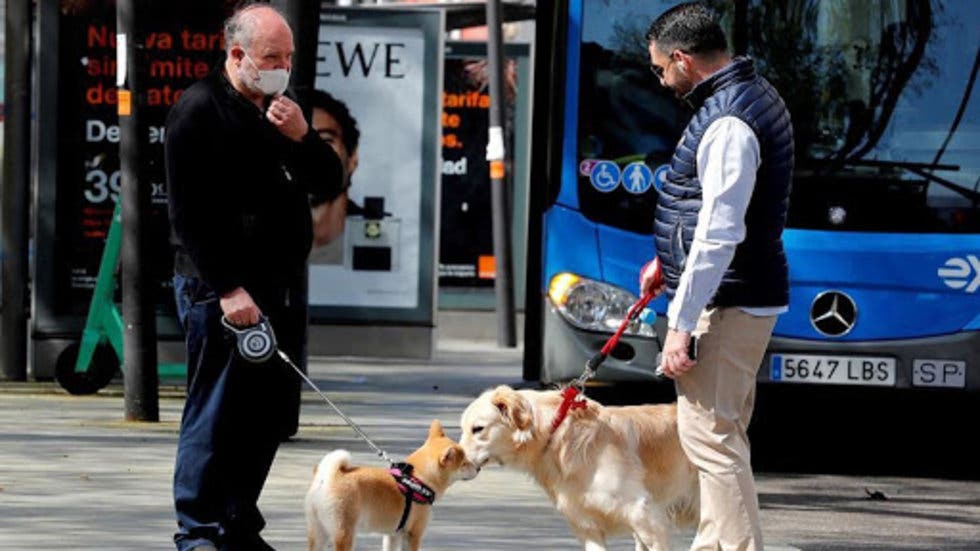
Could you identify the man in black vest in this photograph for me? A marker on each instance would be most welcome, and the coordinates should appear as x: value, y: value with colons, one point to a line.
x: 719, y: 221
x: 242, y: 163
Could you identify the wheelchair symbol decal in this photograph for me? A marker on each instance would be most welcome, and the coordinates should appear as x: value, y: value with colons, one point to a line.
x: 605, y: 176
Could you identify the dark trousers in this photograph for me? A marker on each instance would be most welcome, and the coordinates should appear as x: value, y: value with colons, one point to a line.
x: 235, y: 415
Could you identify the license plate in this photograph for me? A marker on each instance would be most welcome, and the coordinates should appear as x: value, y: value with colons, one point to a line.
x: 832, y: 370
x: 942, y: 373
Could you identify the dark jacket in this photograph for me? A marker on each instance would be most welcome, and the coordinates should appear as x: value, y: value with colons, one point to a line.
x: 239, y: 191
x: 758, y: 274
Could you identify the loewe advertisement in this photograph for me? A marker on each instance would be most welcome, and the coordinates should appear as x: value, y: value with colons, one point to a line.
x: 383, y: 76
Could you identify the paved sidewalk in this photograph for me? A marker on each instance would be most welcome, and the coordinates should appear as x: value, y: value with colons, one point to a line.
x: 74, y: 475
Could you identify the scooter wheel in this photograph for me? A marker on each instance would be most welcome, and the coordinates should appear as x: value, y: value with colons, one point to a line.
x: 101, y: 370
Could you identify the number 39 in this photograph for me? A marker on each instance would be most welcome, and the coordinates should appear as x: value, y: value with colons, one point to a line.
x: 102, y: 186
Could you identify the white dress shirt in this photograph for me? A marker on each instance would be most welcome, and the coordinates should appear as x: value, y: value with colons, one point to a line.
x: 727, y: 160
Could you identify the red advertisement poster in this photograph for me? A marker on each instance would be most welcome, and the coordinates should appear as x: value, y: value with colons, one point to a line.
x: 181, y: 43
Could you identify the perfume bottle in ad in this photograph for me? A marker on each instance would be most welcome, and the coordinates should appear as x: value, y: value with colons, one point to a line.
x: 372, y: 238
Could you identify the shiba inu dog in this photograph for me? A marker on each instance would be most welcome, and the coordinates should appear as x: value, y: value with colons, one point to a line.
x: 396, y: 502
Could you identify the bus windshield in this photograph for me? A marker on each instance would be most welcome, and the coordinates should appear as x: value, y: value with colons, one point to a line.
x: 882, y: 96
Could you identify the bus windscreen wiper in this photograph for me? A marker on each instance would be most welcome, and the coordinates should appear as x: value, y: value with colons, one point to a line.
x: 919, y: 169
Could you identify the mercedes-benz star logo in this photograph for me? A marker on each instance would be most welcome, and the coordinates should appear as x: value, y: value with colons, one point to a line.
x: 833, y: 313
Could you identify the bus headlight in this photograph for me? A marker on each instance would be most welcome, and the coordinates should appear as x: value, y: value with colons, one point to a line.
x: 594, y: 305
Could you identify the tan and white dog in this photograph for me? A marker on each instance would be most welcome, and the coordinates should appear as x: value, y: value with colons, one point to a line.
x: 608, y: 470
x: 343, y: 498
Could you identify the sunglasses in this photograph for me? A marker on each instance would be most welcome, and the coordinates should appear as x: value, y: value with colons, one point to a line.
x: 658, y: 71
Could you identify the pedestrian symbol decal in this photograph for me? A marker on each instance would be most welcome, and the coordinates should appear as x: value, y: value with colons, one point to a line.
x: 637, y: 178
x: 605, y: 176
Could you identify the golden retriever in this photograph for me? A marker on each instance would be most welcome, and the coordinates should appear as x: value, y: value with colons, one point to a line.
x: 608, y: 470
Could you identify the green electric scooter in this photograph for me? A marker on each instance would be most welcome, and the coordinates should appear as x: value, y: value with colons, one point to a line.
x: 89, y: 365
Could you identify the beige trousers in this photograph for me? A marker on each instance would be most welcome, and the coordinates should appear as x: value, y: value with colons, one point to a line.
x: 714, y: 406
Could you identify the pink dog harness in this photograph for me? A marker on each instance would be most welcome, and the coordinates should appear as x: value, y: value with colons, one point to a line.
x: 412, y: 488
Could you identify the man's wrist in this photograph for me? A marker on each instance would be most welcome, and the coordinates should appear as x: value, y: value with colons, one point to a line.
x: 312, y: 139
x: 679, y: 325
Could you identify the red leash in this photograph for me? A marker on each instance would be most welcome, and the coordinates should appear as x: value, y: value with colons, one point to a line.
x: 569, y: 401
x: 595, y: 361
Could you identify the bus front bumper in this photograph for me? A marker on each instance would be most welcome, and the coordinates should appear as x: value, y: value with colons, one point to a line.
x: 566, y: 349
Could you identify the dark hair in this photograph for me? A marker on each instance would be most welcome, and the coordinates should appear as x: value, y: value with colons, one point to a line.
x: 689, y: 27
x: 339, y: 111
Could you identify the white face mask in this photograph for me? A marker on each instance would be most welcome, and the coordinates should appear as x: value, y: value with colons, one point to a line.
x: 271, y: 82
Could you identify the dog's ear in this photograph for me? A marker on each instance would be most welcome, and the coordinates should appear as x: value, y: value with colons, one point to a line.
x: 435, y: 430
x: 448, y: 457
x: 513, y: 407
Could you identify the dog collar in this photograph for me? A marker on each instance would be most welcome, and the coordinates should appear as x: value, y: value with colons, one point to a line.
x: 570, y: 400
x: 412, y: 488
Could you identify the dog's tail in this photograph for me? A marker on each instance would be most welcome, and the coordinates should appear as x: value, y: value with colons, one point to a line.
x: 332, y: 463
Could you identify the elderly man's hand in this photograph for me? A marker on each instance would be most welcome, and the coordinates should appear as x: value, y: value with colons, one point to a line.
x: 287, y: 117
x: 239, y: 308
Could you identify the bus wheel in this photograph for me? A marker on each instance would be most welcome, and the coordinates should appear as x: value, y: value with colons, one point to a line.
x: 100, y: 371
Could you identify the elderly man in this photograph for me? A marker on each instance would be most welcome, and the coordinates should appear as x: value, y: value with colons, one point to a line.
x: 242, y: 163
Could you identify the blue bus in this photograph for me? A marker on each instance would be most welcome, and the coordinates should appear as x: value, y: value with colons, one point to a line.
x: 883, y: 234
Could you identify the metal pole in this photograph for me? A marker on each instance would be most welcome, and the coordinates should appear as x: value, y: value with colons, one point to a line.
x: 504, y: 281
x: 740, y: 33
x: 14, y: 189
x: 303, y: 17
x: 139, y: 321
x: 547, y: 96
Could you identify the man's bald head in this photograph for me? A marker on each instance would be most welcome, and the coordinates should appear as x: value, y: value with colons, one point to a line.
x: 254, y: 22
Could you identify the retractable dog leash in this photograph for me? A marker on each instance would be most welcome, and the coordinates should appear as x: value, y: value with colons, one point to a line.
x: 257, y: 344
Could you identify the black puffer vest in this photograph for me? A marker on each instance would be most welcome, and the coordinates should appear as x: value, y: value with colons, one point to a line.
x: 757, y: 275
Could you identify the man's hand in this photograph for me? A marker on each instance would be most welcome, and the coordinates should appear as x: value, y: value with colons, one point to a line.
x: 287, y: 117
x: 239, y: 308
x: 651, y: 278
x: 674, y: 360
